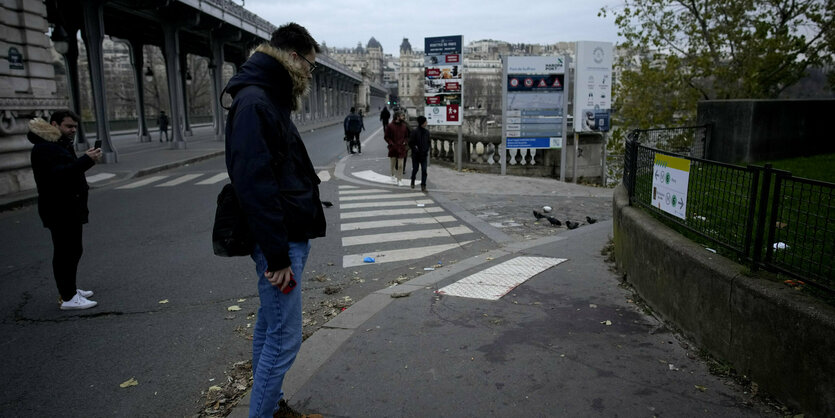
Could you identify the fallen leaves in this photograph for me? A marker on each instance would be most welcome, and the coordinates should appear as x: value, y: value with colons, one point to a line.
x: 162, y: 302
x: 606, y: 322
x: 233, y: 308
x: 128, y: 383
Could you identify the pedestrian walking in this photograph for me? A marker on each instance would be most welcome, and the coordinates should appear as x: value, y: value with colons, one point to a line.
x: 277, y: 187
x: 62, y: 198
x: 162, y: 121
x: 397, y: 137
x: 419, y: 143
x: 353, y: 125
x: 384, y: 116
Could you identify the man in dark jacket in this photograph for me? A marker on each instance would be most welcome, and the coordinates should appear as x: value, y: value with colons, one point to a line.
x: 162, y: 121
x: 384, y: 117
x: 353, y: 126
x: 277, y: 187
x: 62, y: 198
x: 419, y: 143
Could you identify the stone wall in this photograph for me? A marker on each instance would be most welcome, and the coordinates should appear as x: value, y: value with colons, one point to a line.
x: 778, y: 337
x: 27, y: 87
x: 744, y: 131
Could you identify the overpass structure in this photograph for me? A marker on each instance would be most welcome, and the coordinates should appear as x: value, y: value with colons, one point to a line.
x: 219, y: 30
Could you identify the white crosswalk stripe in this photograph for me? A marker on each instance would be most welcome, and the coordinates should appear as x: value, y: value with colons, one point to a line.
x: 143, y: 182
x: 391, y: 226
x: 217, y: 178
x: 179, y: 180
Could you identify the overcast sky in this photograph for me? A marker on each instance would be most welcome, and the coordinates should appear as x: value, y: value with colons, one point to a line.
x: 342, y: 23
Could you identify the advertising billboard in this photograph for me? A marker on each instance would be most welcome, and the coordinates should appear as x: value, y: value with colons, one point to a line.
x: 443, y: 80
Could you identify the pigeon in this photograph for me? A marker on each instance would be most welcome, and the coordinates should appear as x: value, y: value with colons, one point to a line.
x: 554, y: 221
x: 590, y: 220
x: 571, y: 225
x: 326, y: 204
x: 538, y: 215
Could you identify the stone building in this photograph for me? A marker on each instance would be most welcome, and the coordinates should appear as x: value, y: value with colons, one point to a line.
x: 27, y: 89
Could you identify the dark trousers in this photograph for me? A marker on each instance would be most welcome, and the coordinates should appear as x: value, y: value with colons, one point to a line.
x: 419, y: 161
x: 66, y: 253
x: 164, y: 131
x: 356, y: 138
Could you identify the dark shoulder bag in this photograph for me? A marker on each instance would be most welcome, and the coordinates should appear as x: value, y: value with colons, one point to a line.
x: 230, y: 234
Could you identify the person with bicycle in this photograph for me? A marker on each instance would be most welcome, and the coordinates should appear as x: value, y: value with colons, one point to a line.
x: 353, y: 126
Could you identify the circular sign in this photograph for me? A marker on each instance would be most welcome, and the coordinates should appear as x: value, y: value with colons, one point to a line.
x: 514, y: 82
x: 528, y: 82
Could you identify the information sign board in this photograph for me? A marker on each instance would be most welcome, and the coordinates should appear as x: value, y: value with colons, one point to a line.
x: 669, y: 184
x: 593, y: 87
x: 534, y: 102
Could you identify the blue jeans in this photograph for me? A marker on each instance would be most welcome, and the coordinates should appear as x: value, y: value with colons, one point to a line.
x: 278, y: 332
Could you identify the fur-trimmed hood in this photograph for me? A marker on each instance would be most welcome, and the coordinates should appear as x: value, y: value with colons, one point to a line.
x: 41, y: 130
x: 271, y: 69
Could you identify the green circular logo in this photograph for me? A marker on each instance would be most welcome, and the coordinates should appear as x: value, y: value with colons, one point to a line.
x: 667, y: 178
x: 674, y: 200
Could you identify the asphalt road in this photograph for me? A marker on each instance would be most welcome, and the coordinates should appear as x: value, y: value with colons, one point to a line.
x: 163, y: 315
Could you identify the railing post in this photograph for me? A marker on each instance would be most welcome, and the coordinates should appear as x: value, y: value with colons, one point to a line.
x: 752, y: 210
x: 763, y: 209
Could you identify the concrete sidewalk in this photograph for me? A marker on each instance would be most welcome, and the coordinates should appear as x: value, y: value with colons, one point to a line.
x: 568, y: 341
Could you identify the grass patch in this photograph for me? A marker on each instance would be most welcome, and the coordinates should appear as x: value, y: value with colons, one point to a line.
x: 817, y: 167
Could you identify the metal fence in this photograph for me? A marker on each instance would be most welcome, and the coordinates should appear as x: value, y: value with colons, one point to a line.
x: 766, y: 217
x: 688, y: 140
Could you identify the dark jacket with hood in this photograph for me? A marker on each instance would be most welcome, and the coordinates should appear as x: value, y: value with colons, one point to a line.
x: 267, y: 161
x: 59, y: 176
x: 419, y: 142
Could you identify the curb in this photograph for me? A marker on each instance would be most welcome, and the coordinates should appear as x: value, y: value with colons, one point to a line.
x: 163, y: 167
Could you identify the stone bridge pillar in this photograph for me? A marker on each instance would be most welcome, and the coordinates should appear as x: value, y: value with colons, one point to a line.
x: 27, y: 89
x: 93, y: 35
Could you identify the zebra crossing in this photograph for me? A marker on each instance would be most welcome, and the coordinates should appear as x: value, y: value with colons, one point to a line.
x: 391, y: 226
x: 170, y: 180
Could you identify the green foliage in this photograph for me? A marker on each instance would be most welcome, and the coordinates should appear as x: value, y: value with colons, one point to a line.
x: 680, y: 52
x: 817, y: 167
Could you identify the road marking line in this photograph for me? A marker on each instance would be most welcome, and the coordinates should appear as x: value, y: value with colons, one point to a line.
x: 386, y: 204
x: 345, y: 187
x: 389, y: 212
x: 363, y: 191
x: 356, y: 226
x: 179, y: 180
x: 141, y: 183
x: 214, y: 179
x: 324, y: 175
x: 354, y: 260
x: 497, y: 281
x: 380, y: 196
x: 99, y: 177
x: 375, y: 177
x: 405, y: 236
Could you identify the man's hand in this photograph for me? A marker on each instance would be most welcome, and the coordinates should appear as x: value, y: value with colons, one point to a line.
x: 279, y: 278
x: 94, y: 153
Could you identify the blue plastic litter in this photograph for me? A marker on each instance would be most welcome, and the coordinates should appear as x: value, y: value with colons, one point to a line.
x: 368, y: 259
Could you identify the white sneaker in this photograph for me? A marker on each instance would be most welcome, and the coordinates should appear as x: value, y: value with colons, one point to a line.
x: 78, y: 302
x: 399, y: 182
x: 85, y: 293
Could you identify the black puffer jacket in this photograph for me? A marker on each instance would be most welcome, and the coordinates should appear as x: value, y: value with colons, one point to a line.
x: 267, y: 161
x: 59, y: 176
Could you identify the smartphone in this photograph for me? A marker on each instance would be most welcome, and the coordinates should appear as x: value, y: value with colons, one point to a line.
x: 97, y: 144
x: 290, y: 285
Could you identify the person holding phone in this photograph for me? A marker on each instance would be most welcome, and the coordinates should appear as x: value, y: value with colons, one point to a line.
x: 278, y: 189
x: 62, y: 198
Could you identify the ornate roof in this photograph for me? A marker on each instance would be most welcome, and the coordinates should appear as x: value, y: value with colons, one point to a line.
x: 373, y: 43
x: 406, y: 46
